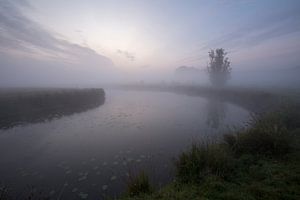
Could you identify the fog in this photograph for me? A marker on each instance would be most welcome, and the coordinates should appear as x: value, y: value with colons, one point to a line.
x: 33, y: 54
x: 101, y: 99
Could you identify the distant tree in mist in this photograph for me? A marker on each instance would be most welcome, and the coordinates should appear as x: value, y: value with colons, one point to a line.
x: 218, y: 67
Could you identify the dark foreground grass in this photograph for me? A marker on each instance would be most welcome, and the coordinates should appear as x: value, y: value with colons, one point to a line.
x: 138, y: 184
x: 262, y: 162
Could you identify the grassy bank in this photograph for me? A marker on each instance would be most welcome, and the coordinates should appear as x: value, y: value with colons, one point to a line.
x: 262, y: 162
x: 35, y: 105
x: 254, y: 100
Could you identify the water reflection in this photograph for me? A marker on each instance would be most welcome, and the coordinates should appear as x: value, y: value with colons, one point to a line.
x: 89, y: 154
x: 215, y: 113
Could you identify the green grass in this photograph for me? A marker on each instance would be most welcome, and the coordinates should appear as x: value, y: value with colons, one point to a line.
x: 202, y: 160
x: 262, y: 162
x: 138, y: 185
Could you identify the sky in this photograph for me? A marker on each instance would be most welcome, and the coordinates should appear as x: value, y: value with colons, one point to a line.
x: 102, y: 36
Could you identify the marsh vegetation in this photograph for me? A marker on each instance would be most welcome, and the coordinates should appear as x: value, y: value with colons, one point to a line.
x: 21, y: 106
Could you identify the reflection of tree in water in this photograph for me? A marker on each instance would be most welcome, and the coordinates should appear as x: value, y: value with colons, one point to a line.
x: 215, y: 113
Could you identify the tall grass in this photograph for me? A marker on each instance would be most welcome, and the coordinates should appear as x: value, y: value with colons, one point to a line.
x: 201, y: 160
x: 30, y: 106
x: 138, y: 184
x: 269, y: 136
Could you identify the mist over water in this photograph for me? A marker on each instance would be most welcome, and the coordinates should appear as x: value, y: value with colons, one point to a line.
x: 92, y: 91
x: 97, y: 148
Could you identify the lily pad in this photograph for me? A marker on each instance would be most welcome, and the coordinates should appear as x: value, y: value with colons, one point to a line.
x: 83, y: 173
x: 83, y: 195
x: 82, y: 178
x: 24, y: 174
x: 35, y: 173
x: 74, y: 190
x: 104, y: 187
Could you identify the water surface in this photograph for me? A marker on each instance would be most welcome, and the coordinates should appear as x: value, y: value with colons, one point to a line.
x: 90, y: 154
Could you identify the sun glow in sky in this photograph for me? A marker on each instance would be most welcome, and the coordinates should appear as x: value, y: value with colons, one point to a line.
x: 114, y: 29
x: 165, y: 34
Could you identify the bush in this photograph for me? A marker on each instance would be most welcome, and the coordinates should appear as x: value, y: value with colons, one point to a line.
x: 268, y: 136
x: 202, y: 160
x: 139, y: 185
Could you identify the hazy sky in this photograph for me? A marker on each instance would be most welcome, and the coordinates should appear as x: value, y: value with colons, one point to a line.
x: 150, y: 34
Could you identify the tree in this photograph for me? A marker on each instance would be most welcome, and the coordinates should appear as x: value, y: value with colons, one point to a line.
x: 219, y: 67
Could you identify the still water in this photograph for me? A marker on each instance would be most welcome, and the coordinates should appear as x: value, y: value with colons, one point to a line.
x: 90, y: 154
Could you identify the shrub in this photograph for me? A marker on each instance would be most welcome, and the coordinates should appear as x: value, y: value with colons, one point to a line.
x: 202, y: 160
x: 268, y: 136
x: 139, y: 184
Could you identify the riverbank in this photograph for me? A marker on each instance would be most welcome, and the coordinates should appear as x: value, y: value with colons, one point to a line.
x: 261, y: 162
x: 20, y: 106
x: 250, y: 164
x: 254, y: 100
